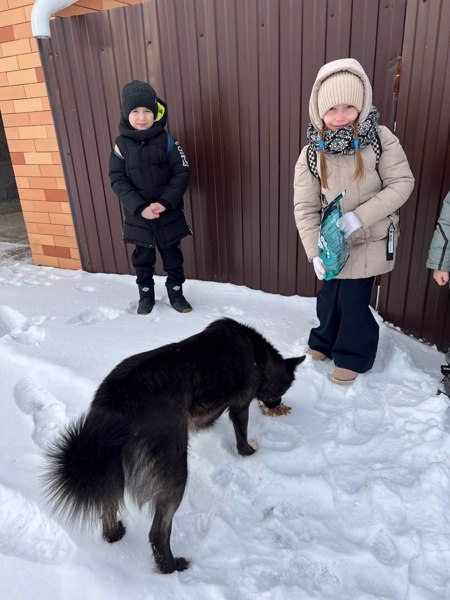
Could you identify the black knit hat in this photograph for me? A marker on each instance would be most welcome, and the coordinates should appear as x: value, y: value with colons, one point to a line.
x: 138, y: 93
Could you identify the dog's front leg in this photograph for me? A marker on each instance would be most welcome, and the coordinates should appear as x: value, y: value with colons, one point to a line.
x: 239, y: 418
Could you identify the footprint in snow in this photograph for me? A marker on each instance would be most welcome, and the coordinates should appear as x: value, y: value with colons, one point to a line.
x: 28, y: 533
x: 232, y: 311
x: 19, y: 328
x: 369, y: 421
x: 10, y: 320
x: 36, y: 276
x: 385, y: 549
x: 279, y: 436
x: 48, y: 414
x: 315, y: 575
x: 233, y: 478
x: 90, y: 316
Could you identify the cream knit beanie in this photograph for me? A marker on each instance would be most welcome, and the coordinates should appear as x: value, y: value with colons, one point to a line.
x: 340, y: 88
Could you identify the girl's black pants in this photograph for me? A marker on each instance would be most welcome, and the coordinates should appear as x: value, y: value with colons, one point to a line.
x: 348, y: 332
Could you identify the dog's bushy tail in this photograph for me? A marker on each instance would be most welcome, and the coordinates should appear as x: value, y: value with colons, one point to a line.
x: 85, y: 477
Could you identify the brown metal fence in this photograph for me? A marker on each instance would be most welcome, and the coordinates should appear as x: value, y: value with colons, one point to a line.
x: 237, y: 75
x: 409, y: 297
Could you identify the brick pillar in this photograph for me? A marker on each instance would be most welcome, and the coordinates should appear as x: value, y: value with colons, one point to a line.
x: 31, y: 135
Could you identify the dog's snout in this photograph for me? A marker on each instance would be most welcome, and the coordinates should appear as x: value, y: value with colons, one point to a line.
x: 272, y: 403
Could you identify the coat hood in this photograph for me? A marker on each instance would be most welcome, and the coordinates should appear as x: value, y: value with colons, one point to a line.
x: 157, y: 127
x: 343, y: 64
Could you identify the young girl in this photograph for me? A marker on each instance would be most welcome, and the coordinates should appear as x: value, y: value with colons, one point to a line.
x: 348, y: 151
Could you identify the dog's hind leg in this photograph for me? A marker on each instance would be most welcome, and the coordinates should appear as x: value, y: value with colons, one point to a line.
x: 113, y: 529
x: 171, y: 485
x: 239, y: 418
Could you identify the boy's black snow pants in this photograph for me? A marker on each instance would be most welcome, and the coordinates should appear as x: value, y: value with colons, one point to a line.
x: 143, y: 260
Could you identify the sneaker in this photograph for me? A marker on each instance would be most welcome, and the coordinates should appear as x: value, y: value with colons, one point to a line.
x: 343, y: 376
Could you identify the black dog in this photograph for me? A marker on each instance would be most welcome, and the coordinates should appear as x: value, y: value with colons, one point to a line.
x: 135, y: 434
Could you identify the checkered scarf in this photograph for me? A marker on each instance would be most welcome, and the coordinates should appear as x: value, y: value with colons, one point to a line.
x: 342, y: 142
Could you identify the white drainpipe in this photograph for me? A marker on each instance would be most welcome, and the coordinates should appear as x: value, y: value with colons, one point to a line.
x: 41, y: 13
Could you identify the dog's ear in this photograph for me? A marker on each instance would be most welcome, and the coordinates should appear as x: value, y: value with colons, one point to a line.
x: 292, y: 363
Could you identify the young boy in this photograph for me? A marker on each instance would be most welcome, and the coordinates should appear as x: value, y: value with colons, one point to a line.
x: 439, y: 261
x: 149, y: 173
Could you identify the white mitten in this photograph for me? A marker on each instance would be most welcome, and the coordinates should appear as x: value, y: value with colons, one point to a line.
x: 348, y: 223
x: 318, y: 267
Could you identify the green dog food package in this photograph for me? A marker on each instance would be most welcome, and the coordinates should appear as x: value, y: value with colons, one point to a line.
x: 333, y: 250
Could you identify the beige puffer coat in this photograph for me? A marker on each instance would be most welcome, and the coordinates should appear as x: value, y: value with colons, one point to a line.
x: 375, y: 199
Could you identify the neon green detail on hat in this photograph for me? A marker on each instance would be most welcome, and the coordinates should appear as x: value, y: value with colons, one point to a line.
x: 161, y: 111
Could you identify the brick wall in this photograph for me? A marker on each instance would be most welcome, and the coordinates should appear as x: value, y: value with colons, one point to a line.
x: 31, y: 135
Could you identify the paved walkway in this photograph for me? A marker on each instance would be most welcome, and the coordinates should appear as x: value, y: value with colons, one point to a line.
x: 14, y: 244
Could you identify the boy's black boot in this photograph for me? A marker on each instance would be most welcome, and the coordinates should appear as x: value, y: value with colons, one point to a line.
x: 176, y: 298
x: 146, y: 299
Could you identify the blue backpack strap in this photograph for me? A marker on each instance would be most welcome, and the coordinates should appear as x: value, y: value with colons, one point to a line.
x: 170, y: 144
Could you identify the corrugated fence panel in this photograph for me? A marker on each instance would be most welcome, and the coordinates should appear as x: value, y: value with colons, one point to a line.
x: 228, y: 70
x: 237, y: 76
x: 411, y: 298
x: 290, y: 258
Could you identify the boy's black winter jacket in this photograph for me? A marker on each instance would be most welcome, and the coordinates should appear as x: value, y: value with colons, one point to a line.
x: 144, y: 169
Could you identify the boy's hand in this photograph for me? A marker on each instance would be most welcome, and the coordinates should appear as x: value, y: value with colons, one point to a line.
x: 149, y: 213
x: 441, y: 277
x: 157, y: 207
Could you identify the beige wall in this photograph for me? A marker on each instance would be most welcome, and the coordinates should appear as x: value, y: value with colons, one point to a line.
x: 31, y: 135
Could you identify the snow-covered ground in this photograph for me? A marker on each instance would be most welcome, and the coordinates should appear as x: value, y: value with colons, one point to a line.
x: 347, y: 497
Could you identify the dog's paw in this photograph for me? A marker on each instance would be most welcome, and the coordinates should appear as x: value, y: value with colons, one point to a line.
x: 116, y: 534
x: 181, y: 564
x: 246, y: 450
